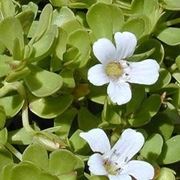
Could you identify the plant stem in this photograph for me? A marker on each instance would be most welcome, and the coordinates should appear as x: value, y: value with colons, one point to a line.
x: 14, y: 151
x: 173, y: 22
x: 25, y: 119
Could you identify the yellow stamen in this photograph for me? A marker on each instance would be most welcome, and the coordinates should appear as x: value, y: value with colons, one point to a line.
x: 114, y: 69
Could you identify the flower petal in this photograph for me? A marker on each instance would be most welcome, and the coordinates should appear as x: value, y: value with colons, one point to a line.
x: 96, y: 165
x: 104, y: 50
x: 125, y: 44
x: 119, y: 92
x: 144, y: 72
x: 120, y: 177
x: 97, y: 140
x: 126, y: 147
x: 97, y: 75
x: 139, y: 170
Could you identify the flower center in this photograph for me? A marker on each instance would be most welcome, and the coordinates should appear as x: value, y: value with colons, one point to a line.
x: 114, y: 69
x: 111, y: 168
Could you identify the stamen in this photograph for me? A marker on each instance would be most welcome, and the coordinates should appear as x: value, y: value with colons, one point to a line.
x: 114, y: 69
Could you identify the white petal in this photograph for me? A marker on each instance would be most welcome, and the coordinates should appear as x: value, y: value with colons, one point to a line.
x: 125, y: 44
x: 120, y: 177
x: 126, y: 147
x: 97, y: 75
x: 119, y: 92
x: 96, y: 165
x: 140, y: 170
x: 104, y: 50
x: 144, y: 72
x: 97, y: 140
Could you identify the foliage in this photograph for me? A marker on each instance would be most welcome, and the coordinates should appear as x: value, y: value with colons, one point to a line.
x: 46, y: 99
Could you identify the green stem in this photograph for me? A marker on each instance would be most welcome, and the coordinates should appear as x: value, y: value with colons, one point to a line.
x: 25, y: 119
x: 14, y: 151
x: 173, y: 22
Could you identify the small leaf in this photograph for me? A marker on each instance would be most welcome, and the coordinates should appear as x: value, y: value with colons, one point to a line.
x: 64, y: 121
x: 5, y: 67
x: 86, y: 119
x: 139, y: 26
x: 67, y: 162
x: 170, y: 36
x: 2, y: 117
x: 38, y: 83
x: 26, y: 19
x: 44, y: 45
x: 152, y: 147
x: 19, y: 136
x: 171, y: 151
x: 147, y: 110
x: 10, y: 30
x: 5, y: 157
x: 25, y: 171
x: 44, y: 22
x: 166, y: 174
x: 3, y: 136
x: 104, y: 20
x: 50, y: 107
x: 173, y: 5
x: 36, y: 154
x: 80, y: 39
x: 11, y: 104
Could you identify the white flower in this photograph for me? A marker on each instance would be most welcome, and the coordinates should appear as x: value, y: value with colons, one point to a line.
x: 116, y: 163
x: 115, y: 70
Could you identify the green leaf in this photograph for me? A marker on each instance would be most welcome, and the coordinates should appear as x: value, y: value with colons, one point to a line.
x: 2, y: 117
x: 166, y: 174
x: 61, y: 43
x: 152, y: 147
x: 38, y: 83
x: 8, y: 8
x: 86, y: 120
x: 163, y: 80
x: 98, y: 178
x: 104, y: 20
x: 12, y: 104
x: 64, y: 121
x: 151, y: 44
x: 62, y: 16
x: 138, y: 94
x: 19, y: 136
x: 64, y: 162
x: 176, y: 76
x: 4, y: 65
x: 11, y: 30
x: 148, y: 109
x: 36, y: 154
x: 162, y: 123
x: 173, y: 5
x: 68, y: 78
x: 78, y: 144
x: 3, y: 136
x: 5, y: 157
x: 98, y: 95
x: 139, y: 26
x: 25, y: 171
x: 151, y: 9
x: 26, y: 19
x: 80, y: 39
x: 44, y: 45
x: 171, y: 151
x: 178, y: 62
x: 44, y: 22
x: 6, y: 171
x: 170, y: 36
x: 50, y: 107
